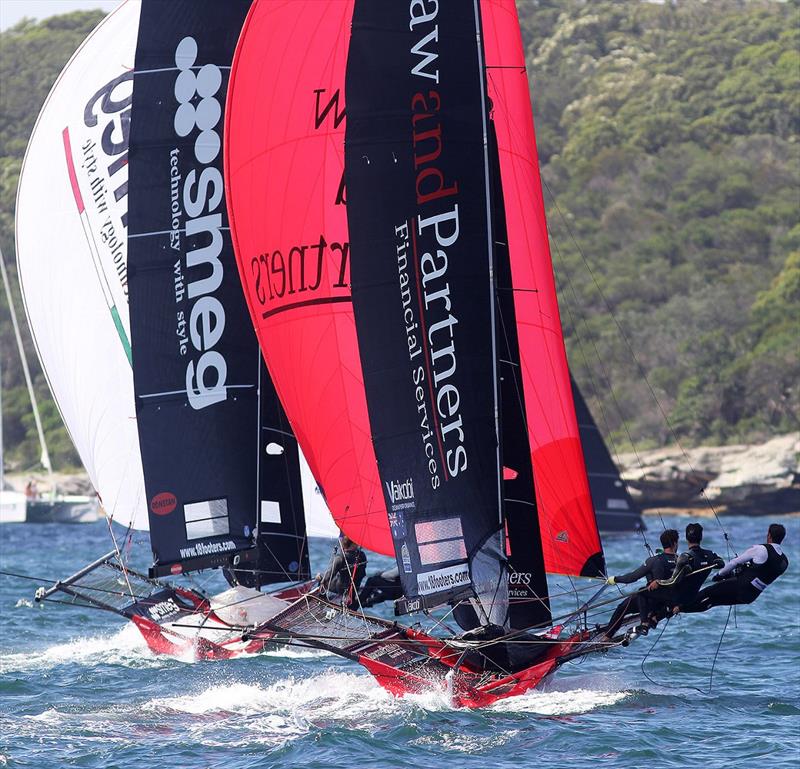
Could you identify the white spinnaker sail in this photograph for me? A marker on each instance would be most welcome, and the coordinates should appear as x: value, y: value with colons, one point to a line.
x: 72, y: 264
x: 72, y: 258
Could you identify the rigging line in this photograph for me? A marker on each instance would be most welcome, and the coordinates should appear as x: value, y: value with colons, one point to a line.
x: 650, y: 650
x: 628, y: 344
x: 440, y: 621
x: 454, y: 644
x: 731, y: 609
x: 68, y: 585
x: 351, y: 575
x: 595, y: 388
x: 119, y: 557
x: 536, y: 597
x: 56, y: 581
x: 85, y: 605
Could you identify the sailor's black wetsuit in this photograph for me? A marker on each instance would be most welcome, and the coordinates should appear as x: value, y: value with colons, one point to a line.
x: 381, y: 587
x: 345, y: 572
x: 656, y: 567
x: 691, y: 571
x: 760, y: 566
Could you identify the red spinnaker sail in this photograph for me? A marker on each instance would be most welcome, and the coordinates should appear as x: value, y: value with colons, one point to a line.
x: 284, y: 163
x: 570, y: 538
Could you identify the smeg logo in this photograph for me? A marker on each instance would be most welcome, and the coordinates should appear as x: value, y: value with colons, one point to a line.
x: 204, y: 114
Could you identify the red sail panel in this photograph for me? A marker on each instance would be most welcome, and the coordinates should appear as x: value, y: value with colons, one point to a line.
x: 284, y: 164
x: 570, y: 538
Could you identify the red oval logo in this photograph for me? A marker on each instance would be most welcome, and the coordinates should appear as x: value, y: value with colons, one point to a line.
x: 163, y: 503
x: 176, y: 568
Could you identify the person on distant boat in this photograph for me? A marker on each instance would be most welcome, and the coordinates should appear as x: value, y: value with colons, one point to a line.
x: 745, y: 578
x: 693, y: 567
x: 346, y: 572
x: 657, y: 567
x: 384, y: 586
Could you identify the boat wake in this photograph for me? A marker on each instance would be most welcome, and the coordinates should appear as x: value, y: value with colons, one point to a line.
x: 281, y: 712
x: 339, y: 696
x: 125, y: 647
x: 239, y: 714
x: 566, y: 696
x: 560, y: 703
x: 297, y: 653
x: 357, y: 701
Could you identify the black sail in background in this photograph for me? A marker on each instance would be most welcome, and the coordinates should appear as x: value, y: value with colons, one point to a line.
x: 417, y: 206
x: 206, y: 407
x: 613, y: 505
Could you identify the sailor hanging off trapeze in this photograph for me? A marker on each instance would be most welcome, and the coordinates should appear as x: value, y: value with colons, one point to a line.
x: 743, y: 579
x: 694, y: 566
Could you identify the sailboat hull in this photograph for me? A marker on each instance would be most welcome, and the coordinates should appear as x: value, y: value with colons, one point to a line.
x: 163, y: 640
x: 469, y: 688
x: 405, y: 660
x: 213, y: 628
x: 63, y: 510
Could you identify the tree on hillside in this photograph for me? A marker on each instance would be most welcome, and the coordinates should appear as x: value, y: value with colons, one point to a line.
x: 31, y: 56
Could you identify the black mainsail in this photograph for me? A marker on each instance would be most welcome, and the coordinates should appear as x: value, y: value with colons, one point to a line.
x: 422, y: 269
x: 220, y: 463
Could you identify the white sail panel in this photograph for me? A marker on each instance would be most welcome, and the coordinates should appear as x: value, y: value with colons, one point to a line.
x: 319, y: 521
x: 71, y: 234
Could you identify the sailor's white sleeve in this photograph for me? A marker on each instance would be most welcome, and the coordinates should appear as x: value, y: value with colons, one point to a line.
x: 756, y: 553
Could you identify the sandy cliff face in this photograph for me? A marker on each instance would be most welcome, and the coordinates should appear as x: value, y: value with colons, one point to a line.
x: 758, y: 480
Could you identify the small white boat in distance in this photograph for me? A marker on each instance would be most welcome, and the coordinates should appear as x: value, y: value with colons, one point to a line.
x: 13, y: 506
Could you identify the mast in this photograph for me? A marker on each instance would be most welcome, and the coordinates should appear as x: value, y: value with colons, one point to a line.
x: 491, y: 254
x: 45, y: 456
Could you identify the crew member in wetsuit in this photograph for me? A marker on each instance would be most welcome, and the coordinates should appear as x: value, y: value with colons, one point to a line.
x: 344, y: 575
x: 656, y: 567
x: 381, y: 587
x: 745, y: 578
x: 693, y: 567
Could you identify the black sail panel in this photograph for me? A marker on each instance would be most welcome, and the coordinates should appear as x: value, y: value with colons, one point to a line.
x: 423, y: 297
x: 613, y: 505
x: 206, y: 407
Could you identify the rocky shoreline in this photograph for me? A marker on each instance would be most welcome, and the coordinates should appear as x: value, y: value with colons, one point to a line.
x: 760, y: 479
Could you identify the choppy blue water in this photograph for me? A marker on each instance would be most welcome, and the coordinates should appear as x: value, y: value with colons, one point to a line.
x: 79, y: 688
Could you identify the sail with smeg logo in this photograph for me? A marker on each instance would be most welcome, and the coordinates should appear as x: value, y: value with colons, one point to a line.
x: 221, y: 465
